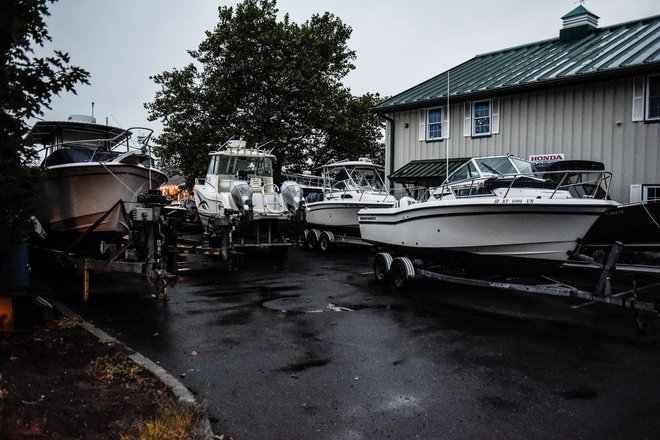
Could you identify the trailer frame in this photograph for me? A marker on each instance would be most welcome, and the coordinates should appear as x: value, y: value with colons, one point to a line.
x: 401, y: 270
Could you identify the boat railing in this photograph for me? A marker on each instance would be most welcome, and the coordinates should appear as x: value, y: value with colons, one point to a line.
x: 271, y: 200
x: 578, y: 183
x: 593, y: 184
x: 103, y: 144
x: 305, y: 179
x: 348, y: 189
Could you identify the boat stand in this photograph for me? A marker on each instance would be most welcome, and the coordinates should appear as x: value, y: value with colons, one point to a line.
x: 400, y: 271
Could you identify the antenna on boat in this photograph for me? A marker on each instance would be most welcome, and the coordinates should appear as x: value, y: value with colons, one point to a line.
x: 264, y: 144
x: 92, y: 109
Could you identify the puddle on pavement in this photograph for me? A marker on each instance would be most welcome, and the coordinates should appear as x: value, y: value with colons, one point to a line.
x: 301, y: 304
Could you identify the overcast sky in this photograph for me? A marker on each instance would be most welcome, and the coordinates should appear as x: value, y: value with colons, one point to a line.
x: 398, y: 43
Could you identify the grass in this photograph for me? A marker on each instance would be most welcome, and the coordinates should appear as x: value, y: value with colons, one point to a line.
x: 67, y: 323
x: 116, y: 366
x: 174, y: 423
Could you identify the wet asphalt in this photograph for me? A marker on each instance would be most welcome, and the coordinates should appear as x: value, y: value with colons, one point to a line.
x: 308, y: 347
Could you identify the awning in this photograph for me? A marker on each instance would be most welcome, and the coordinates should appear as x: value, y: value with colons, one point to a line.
x: 426, y: 173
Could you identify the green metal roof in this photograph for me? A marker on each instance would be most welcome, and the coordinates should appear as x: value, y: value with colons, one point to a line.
x: 627, y: 47
x: 430, y: 172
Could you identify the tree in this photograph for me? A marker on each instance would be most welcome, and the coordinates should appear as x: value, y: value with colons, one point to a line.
x: 27, y: 85
x: 265, y: 80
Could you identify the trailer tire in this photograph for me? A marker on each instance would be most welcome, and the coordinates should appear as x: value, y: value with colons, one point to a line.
x: 402, y: 272
x: 312, y: 241
x: 382, y: 265
x: 326, y: 241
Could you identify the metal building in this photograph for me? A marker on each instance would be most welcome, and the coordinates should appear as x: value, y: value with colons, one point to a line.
x: 589, y: 94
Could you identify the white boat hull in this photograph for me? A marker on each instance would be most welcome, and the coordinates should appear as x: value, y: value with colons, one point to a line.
x: 71, y: 198
x: 330, y: 214
x: 537, y: 229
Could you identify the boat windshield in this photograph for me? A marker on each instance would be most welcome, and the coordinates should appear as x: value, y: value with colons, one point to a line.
x: 491, y: 166
x: 368, y: 179
x: 261, y: 166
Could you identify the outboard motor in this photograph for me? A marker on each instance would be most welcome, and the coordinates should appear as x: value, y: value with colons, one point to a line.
x: 241, y: 193
x: 292, y: 194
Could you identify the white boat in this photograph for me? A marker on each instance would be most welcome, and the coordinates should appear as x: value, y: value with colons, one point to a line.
x: 90, y: 171
x: 238, y: 195
x: 348, y: 186
x: 496, y: 208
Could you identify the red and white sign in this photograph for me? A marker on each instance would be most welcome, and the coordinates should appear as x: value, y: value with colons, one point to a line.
x: 546, y: 157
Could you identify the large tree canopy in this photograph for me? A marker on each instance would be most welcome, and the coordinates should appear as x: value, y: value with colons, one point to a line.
x: 27, y: 85
x: 265, y: 80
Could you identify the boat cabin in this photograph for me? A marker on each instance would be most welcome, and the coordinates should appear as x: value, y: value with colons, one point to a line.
x: 235, y: 161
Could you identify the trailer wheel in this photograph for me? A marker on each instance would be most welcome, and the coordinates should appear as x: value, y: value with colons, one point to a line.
x: 382, y: 264
x: 324, y: 243
x: 312, y: 241
x: 401, y: 272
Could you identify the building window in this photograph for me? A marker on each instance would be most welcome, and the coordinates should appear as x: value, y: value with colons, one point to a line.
x: 646, y: 98
x: 481, y: 118
x: 653, y: 98
x: 434, y: 124
x: 651, y: 193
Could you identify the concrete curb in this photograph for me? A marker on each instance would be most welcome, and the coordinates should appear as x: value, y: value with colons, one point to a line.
x: 179, y: 390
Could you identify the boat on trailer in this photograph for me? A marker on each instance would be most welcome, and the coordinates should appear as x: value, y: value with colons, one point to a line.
x: 348, y: 186
x: 240, y: 205
x: 493, y: 213
x: 91, y: 177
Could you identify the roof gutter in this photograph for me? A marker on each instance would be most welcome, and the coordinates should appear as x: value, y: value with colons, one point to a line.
x: 391, y: 121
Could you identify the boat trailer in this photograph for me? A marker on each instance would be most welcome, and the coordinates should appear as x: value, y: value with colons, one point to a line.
x: 400, y: 271
x: 230, y: 251
x: 144, y: 252
x: 316, y: 239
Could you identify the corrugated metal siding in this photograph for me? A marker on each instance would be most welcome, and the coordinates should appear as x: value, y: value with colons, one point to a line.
x: 579, y: 121
x: 604, y: 51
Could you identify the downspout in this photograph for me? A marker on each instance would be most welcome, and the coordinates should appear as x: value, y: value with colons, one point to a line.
x: 391, y: 121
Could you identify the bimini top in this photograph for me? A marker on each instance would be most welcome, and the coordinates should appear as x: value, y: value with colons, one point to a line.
x: 361, y: 162
x: 74, y: 132
x: 239, y: 148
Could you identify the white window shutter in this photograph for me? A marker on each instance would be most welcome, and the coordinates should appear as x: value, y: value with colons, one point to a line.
x: 495, y: 116
x: 445, y: 122
x: 467, y: 119
x: 422, y: 125
x: 638, y: 99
